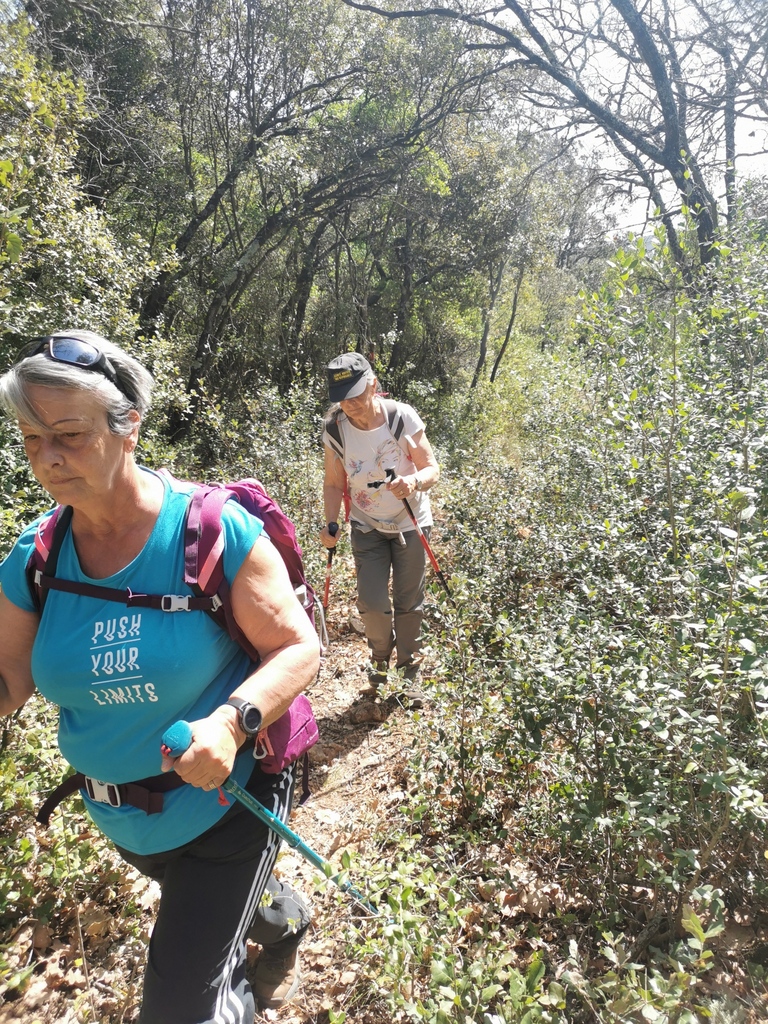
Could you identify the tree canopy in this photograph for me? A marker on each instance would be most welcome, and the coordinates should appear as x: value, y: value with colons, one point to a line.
x: 668, y: 85
x: 302, y: 185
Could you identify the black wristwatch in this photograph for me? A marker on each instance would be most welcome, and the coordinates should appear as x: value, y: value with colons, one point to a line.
x: 248, y: 715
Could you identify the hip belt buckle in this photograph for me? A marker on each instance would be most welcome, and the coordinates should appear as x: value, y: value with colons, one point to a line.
x: 391, y: 534
x: 103, y: 792
x: 387, y: 527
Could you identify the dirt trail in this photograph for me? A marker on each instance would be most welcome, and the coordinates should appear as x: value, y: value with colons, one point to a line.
x: 354, y: 771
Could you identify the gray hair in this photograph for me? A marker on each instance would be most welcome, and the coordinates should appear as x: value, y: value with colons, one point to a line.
x: 44, y: 372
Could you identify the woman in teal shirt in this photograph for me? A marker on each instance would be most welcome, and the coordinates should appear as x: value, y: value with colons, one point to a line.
x: 121, y: 677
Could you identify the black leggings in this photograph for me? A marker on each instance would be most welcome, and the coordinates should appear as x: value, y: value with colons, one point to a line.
x: 212, y: 898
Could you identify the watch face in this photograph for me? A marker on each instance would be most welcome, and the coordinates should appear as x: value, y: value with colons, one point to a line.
x: 251, y: 718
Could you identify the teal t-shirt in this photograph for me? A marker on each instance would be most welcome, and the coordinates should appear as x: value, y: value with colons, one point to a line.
x: 121, y: 676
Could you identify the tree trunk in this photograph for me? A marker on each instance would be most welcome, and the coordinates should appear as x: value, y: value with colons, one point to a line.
x: 295, y: 309
x: 511, y: 324
x: 493, y: 294
x: 729, y: 120
x: 403, y: 254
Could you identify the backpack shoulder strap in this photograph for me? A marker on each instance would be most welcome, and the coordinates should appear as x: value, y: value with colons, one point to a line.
x: 44, y: 559
x: 396, y: 424
x: 395, y: 420
x: 204, y: 539
x: 333, y: 430
x: 204, y: 558
x: 336, y: 438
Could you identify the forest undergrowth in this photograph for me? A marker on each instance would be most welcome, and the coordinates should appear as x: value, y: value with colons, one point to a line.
x: 582, y: 829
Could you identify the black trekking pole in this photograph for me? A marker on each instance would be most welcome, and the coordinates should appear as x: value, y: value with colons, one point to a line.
x: 175, y: 741
x: 333, y: 529
x: 425, y: 543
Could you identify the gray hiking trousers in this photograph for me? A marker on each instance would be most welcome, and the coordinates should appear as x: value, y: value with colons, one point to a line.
x: 218, y: 891
x: 394, y: 624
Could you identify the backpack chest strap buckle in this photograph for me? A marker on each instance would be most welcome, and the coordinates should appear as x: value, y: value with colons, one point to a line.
x: 174, y: 603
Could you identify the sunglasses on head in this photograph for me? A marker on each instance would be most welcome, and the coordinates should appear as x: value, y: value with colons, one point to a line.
x: 74, y: 352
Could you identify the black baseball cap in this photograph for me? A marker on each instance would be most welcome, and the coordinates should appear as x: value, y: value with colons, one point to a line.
x: 348, y: 376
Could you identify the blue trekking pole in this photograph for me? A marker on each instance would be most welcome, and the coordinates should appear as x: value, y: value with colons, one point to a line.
x: 175, y: 741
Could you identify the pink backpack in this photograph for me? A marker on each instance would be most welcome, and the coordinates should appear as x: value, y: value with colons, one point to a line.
x: 296, y: 731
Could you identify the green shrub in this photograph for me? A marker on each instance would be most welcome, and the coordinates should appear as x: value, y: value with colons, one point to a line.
x: 600, y: 698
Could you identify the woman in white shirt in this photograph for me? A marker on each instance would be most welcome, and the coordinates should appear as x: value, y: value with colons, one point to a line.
x: 377, y: 454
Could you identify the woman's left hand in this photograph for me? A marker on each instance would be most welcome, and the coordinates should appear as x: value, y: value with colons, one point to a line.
x: 279, y: 630
x: 208, y: 761
x: 403, y: 486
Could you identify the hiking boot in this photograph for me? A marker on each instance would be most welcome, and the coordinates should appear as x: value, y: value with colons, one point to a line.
x: 377, y: 673
x: 410, y: 695
x: 276, y: 978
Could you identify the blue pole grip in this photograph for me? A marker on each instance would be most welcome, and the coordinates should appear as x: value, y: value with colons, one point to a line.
x: 177, y: 738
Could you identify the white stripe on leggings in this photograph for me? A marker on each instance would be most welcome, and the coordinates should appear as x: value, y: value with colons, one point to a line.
x: 229, y: 1006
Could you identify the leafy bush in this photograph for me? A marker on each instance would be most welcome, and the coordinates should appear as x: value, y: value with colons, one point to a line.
x: 62, y: 266
x: 600, y: 705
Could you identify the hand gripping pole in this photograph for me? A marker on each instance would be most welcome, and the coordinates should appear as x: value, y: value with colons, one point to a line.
x: 333, y: 529
x: 424, y: 541
x: 175, y: 741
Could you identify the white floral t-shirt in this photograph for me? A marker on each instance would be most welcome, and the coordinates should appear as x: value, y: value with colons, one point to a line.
x: 368, y: 454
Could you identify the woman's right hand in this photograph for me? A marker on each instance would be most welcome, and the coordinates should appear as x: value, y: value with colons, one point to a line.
x: 328, y: 539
